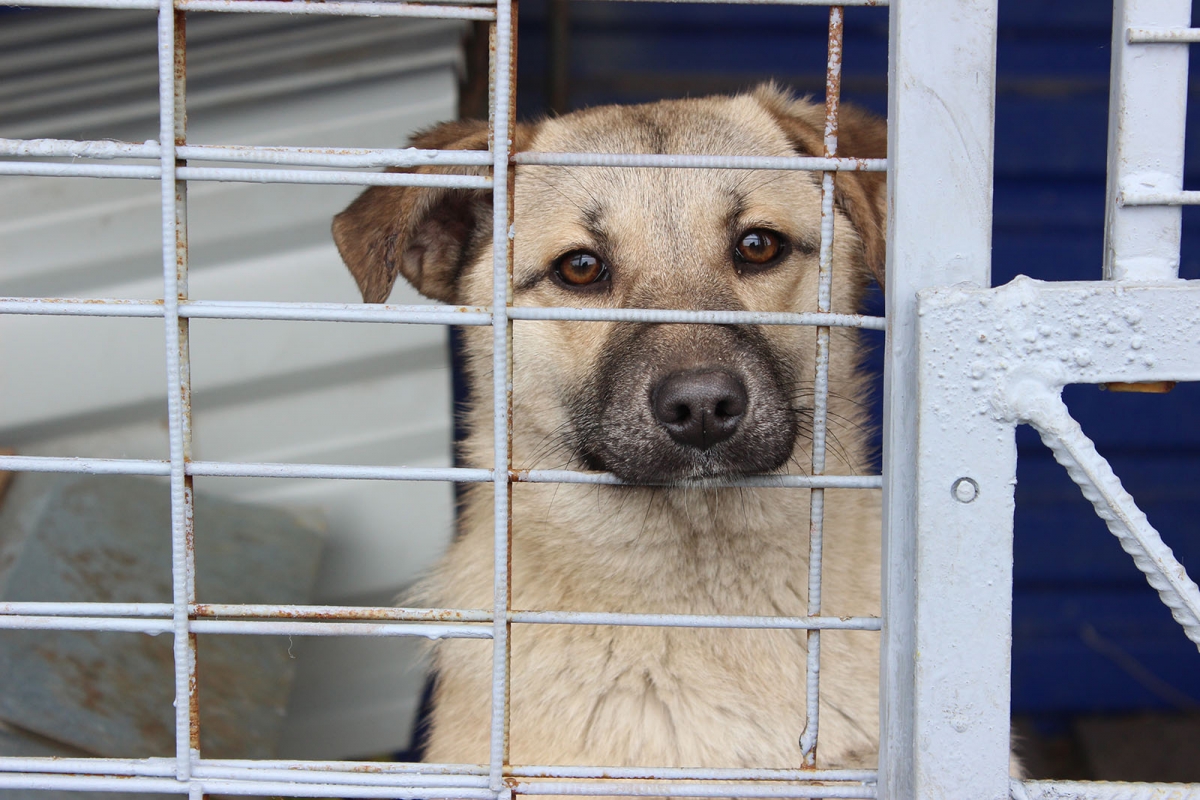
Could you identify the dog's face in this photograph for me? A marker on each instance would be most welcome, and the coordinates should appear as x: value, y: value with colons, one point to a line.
x: 649, y: 402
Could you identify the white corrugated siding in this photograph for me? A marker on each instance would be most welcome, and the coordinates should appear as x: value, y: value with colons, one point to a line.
x: 263, y: 391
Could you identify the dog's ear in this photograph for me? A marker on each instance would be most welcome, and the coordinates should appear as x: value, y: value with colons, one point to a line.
x: 426, y: 233
x: 861, y: 195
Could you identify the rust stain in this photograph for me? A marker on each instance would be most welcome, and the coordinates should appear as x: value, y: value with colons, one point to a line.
x: 1148, y: 387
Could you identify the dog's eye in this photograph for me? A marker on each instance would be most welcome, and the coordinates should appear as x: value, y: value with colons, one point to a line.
x: 580, y: 268
x: 759, y: 247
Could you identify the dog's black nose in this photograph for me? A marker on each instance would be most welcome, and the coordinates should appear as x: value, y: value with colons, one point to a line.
x: 699, y: 409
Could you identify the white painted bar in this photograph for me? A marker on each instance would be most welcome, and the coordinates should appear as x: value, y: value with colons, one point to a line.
x: 941, y: 109
x: 1147, y: 110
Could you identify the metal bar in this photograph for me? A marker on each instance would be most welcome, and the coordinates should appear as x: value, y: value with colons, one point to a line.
x: 412, y: 157
x: 244, y: 627
x: 941, y: 111
x: 1127, y: 198
x: 682, y: 773
x: 227, y: 469
x: 182, y: 565
x: 350, y: 9
x: 237, y: 309
x: 349, y: 157
x: 755, y: 481
x: 1145, y: 144
x: 703, y: 317
x: 820, y: 413
x: 659, y: 161
x: 229, y: 787
x: 1162, y: 35
x: 323, y: 614
x: 416, y: 314
x: 238, y: 175
x: 696, y: 621
x: 503, y: 73
x: 1047, y: 413
x: 661, y: 789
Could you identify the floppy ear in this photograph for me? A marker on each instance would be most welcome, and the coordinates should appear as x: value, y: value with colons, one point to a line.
x: 862, y: 196
x: 426, y: 233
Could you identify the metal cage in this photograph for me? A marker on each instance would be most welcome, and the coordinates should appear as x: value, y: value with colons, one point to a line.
x: 952, y: 399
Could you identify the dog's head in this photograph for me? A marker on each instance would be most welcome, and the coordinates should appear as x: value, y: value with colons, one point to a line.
x: 649, y: 402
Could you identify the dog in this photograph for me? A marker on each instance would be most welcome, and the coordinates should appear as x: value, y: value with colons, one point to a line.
x: 675, y: 405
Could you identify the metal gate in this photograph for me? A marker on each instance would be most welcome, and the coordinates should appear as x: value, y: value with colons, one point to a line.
x: 965, y: 365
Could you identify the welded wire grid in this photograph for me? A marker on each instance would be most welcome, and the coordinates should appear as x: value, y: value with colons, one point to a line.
x: 188, y: 772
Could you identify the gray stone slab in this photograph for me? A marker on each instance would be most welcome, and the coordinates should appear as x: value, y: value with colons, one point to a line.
x: 79, y: 538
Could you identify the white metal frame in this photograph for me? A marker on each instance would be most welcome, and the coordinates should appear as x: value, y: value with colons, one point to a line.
x: 949, y: 381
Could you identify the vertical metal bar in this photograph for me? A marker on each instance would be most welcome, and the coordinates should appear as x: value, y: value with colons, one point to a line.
x: 816, y: 512
x: 503, y: 97
x: 170, y: 77
x: 1147, y: 109
x: 941, y: 111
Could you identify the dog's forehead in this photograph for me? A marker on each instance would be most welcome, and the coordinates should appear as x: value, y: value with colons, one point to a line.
x: 706, y: 126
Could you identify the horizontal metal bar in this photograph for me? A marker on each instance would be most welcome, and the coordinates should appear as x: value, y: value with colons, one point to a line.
x: 299, y: 628
x: 68, y: 169
x: 336, y: 312
x: 697, y: 317
x: 683, y: 161
x: 695, y: 773
x: 47, y: 169
x: 1158, y: 198
x: 29, y: 608
x: 230, y: 469
x: 236, y: 175
x: 108, y: 624
x: 695, y: 620
x: 239, y: 309
x: 339, y: 9
x: 91, y: 783
x: 155, y: 626
x: 335, y: 767
x: 417, y: 314
x: 260, y: 771
x: 125, y: 616
x: 1163, y: 35
x: 691, y: 789
x: 132, y: 466
x: 350, y: 157
x: 225, y: 469
x: 450, y: 774
x: 204, y: 610
x: 129, y: 767
x: 90, y: 466
x: 217, y: 610
x: 746, y: 481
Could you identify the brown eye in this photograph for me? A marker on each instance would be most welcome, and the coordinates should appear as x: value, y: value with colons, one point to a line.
x: 580, y: 268
x: 759, y: 247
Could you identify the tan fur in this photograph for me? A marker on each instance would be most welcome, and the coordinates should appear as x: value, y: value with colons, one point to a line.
x: 650, y: 696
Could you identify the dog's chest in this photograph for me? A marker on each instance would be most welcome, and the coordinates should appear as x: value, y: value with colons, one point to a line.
x: 626, y: 695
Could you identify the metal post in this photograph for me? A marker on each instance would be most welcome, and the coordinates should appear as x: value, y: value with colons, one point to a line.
x: 1147, y: 110
x: 941, y: 110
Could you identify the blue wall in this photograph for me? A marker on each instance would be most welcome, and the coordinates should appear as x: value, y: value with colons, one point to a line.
x: 1089, y: 634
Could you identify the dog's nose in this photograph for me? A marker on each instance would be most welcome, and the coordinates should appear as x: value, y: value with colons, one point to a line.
x: 699, y: 409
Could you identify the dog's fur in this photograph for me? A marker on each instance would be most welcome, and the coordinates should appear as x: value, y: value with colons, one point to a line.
x: 583, y: 398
